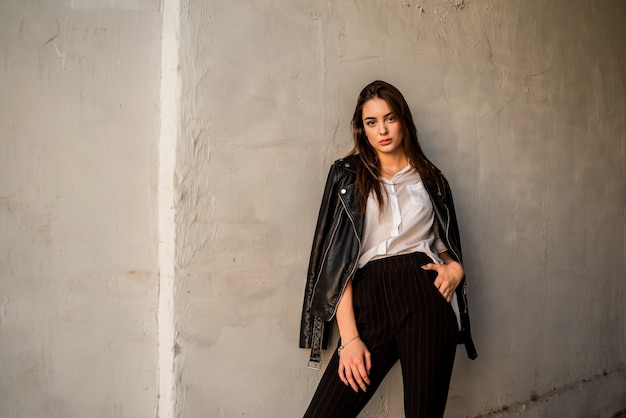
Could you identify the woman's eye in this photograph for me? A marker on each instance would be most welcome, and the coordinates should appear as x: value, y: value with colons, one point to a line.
x: 390, y: 119
x: 371, y: 123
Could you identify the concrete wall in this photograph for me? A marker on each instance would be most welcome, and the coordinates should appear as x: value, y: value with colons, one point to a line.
x: 521, y: 103
x: 79, y: 124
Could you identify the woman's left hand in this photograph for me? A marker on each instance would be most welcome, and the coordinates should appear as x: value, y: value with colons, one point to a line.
x: 449, y: 275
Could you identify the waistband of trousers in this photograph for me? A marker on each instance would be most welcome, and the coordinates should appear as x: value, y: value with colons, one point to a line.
x: 394, y: 262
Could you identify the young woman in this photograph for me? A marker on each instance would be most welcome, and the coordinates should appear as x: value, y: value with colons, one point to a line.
x: 386, y: 263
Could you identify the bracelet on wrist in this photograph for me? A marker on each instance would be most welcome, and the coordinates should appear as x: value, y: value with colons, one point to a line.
x: 341, y: 347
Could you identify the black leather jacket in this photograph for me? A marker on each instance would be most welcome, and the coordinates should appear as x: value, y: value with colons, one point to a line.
x: 336, y: 248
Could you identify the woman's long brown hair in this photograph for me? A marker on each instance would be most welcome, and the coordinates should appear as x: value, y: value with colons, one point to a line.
x: 368, y: 174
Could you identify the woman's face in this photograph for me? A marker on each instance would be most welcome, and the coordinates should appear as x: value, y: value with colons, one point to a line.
x: 382, y: 128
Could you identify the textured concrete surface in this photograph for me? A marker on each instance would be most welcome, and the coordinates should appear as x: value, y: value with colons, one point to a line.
x: 79, y: 112
x: 521, y: 103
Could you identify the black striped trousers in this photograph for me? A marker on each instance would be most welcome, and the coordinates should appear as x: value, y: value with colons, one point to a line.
x: 400, y: 314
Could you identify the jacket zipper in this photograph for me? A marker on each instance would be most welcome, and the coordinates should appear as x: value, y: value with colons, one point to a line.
x: 323, y: 260
x: 356, y: 262
x: 452, y: 249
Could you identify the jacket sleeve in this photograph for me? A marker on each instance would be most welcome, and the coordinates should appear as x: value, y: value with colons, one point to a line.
x: 324, y: 221
x: 454, y: 226
x: 465, y: 335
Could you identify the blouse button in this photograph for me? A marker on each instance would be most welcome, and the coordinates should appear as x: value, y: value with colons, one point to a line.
x: 343, y: 191
x: 347, y: 164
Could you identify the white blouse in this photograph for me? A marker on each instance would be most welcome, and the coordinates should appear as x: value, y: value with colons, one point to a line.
x: 406, y: 224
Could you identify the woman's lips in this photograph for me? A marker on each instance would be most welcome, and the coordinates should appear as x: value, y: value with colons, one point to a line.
x: 385, y: 141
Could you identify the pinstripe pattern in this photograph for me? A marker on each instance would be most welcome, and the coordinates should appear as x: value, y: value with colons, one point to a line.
x: 401, y: 315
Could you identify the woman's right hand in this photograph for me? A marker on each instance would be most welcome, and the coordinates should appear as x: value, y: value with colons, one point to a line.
x: 354, y: 365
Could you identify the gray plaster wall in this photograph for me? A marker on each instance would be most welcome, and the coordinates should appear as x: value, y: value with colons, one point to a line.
x: 520, y: 103
x: 79, y: 125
